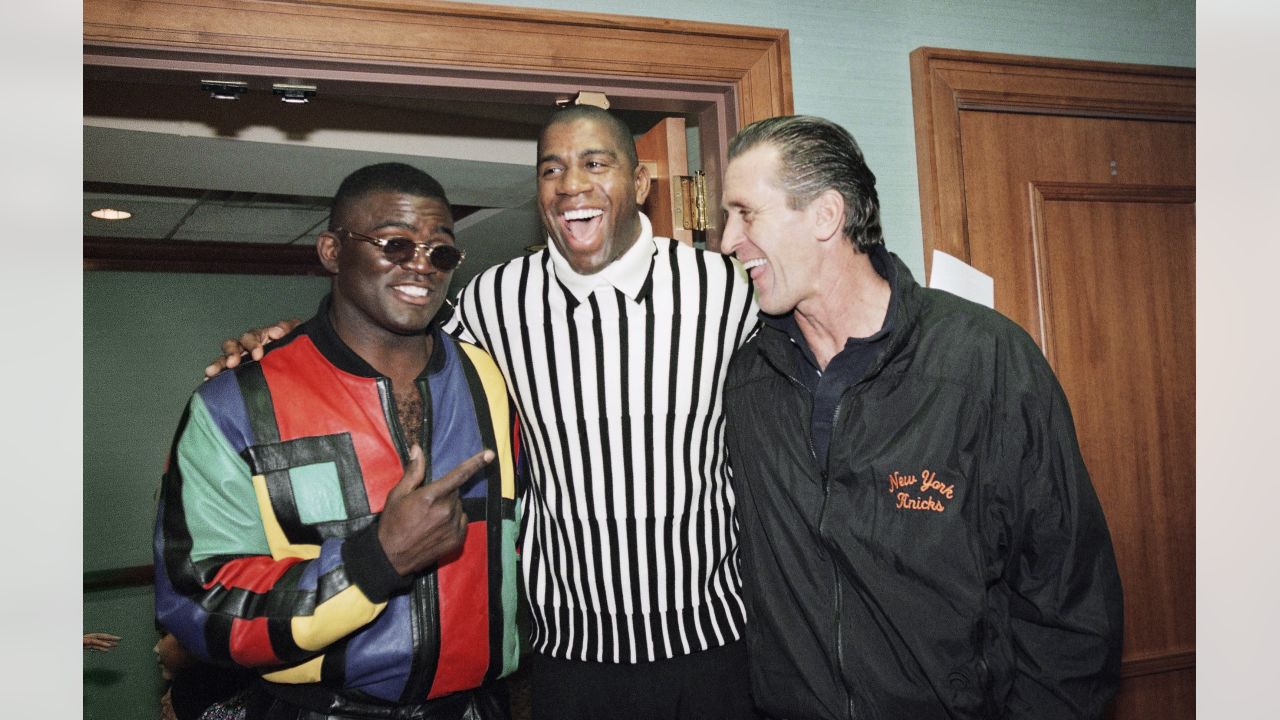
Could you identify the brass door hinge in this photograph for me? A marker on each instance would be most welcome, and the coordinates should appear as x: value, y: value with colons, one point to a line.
x: 691, y: 201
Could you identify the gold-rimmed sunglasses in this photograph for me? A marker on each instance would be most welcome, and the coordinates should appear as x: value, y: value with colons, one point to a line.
x: 401, y: 250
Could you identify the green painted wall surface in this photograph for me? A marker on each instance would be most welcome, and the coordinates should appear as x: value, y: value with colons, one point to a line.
x: 147, y: 338
x: 849, y: 61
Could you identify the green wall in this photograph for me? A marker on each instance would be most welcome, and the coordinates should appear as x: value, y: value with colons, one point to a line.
x: 147, y: 338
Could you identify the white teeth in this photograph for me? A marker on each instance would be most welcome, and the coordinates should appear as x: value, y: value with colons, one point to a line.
x: 583, y: 214
x: 757, y: 262
x: 412, y: 290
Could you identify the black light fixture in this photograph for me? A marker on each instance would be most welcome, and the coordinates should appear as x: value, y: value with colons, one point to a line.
x: 224, y: 89
x: 295, y: 93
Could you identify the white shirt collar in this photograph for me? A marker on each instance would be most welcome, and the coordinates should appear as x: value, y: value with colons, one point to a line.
x: 628, y: 273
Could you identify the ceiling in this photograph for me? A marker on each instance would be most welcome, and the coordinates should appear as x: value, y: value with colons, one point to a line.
x: 259, y: 170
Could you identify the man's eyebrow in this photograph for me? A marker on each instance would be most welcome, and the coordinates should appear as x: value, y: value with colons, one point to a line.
x: 550, y: 157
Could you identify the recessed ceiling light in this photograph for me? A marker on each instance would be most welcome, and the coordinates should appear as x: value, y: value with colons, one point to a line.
x: 111, y: 214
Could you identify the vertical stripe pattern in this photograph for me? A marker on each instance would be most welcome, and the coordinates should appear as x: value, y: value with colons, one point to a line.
x: 630, y: 540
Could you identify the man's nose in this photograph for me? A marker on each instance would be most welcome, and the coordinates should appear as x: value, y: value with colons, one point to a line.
x: 419, y: 262
x: 732, y: 236
x: 574, y: 181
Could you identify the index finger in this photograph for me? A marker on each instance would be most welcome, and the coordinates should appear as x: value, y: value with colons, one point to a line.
x: 460, y: 474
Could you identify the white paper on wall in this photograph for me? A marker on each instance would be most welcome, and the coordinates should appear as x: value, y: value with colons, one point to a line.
x: 960, y: 278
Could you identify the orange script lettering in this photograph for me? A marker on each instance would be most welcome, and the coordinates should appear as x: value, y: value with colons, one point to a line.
x: 931, y: 482
x: 897, y: 481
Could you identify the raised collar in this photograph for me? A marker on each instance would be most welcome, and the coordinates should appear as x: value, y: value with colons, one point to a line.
x: 900, y: 315
x: 325, y: 337
x: 630, y: 273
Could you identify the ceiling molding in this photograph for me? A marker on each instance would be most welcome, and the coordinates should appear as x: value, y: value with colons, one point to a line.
x: 123, y: 254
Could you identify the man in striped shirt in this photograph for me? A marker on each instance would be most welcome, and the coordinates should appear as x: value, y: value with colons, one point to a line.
x: 614, y: 344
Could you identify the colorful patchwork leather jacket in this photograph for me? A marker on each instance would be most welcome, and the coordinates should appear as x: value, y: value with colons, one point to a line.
x: 266, y: 545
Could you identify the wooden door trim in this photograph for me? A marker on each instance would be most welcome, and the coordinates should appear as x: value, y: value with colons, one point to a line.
x: 946, y: 82
x: 200, y: 256
x: 1157, y: 664
x: 1040, y: 192
x: 429, y: 35
x: 724, y: 75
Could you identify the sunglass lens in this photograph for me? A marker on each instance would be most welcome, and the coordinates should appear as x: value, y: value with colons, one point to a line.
x: 399, y: 250
x: 445, y: 257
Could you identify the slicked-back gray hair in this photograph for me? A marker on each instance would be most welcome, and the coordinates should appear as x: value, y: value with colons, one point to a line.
x: 815, y: 155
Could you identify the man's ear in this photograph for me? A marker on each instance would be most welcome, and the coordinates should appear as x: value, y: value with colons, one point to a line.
x: 827, y: 214
x: 327, y: 247
x: 643, y: 183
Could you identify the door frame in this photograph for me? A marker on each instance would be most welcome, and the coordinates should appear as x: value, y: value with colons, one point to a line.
x: 945, y: 82
x: 723, y: 75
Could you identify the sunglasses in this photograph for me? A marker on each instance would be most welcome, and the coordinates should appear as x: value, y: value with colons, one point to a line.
x: 401, y: 250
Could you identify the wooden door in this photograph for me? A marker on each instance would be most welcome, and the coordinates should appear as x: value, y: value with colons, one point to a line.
x: 1073, y: 185
x: 663, y: 150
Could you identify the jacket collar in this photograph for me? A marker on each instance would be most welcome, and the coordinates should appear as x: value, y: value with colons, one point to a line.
x: 778, y: 333
x: 325, y: 337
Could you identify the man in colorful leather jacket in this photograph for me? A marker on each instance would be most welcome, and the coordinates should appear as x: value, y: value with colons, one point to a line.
x: 920, y: 537
x: 341, y: 516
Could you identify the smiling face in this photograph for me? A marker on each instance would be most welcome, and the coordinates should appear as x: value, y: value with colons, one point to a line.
x: 589, y: 193
x: 371, y: 295
x: 775, y: 243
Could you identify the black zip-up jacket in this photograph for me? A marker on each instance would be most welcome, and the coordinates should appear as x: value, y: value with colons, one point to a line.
x: 950, y: 559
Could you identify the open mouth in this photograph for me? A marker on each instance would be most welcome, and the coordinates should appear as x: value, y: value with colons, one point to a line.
x: 582, y: 225
x: 752, y: 264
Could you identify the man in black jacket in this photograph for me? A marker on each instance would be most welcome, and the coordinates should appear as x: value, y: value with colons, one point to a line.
x: 919, y: 535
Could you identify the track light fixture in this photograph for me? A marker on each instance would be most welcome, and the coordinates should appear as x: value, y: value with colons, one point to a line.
x: 224, y: 89
x: 293, y: 92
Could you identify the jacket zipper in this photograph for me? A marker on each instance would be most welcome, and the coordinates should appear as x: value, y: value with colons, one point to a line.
x: 835, y: 573
x: 838, y: 596
x: 423, y: 609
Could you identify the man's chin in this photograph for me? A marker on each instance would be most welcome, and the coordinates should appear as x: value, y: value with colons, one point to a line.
x: 583, y: 260
x: 415, y: 325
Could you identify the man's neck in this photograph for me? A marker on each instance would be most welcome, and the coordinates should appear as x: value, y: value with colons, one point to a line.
x: 399, y: 357
x: 853, y: 304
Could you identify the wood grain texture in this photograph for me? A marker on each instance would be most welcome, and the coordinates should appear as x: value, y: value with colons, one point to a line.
x: 945, y: 82
x: 1073, y: 185
x: 663, y: 149
x: 724, y: 76
x: 754, y: 61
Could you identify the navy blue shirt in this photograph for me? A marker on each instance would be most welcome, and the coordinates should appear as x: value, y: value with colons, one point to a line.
x: 845, y: 369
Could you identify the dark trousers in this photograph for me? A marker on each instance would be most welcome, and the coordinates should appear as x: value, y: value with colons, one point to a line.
x: 286, y: 703
x: 708, y: 685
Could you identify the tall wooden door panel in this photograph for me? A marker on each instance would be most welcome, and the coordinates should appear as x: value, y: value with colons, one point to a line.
x: 1100, y: 268
x: 1005, y: 153
x: 1119, y: 319
x: 1073, y: 185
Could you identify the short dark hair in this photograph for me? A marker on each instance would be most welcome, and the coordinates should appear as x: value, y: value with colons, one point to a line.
x: 391, y: 176
x: 815, y: 155
x: 621, y: 133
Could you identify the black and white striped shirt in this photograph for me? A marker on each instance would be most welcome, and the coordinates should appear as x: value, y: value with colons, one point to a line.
x: 630, y: 543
